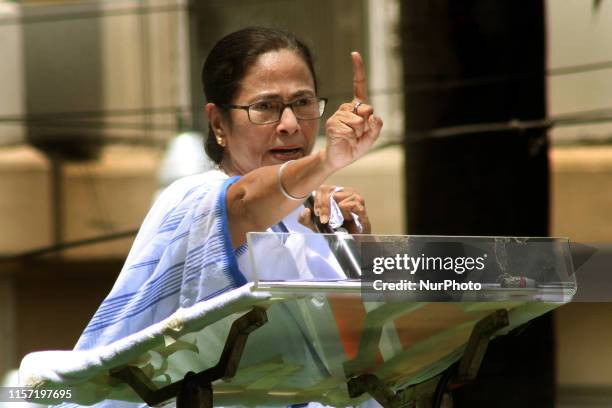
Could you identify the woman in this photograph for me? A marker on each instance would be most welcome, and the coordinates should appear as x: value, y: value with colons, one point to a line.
x: 253, y: 104
x: 262, y: 109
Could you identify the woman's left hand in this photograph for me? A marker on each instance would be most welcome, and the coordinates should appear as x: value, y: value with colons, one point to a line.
x: 349, y: 202
x: 353, y: 128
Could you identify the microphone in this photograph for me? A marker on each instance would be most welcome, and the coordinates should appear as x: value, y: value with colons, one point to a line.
x: 342, y: 244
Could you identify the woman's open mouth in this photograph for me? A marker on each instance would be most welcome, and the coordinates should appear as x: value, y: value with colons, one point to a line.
x: 286, y: 153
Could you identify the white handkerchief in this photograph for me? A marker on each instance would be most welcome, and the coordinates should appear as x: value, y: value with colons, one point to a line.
x: 335, y: 214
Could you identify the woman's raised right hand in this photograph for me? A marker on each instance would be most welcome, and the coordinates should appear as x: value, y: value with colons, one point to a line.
x: 351, y: 132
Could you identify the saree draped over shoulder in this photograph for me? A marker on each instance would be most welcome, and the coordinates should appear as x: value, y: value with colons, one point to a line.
x: 183, y: 255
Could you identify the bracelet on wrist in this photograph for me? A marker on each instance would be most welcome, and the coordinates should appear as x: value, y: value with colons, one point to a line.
x: 282, y: 188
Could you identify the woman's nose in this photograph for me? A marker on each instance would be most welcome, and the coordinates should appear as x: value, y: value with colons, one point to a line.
x: 288, y: 122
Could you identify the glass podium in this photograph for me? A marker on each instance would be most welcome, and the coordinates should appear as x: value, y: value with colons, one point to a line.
x: 335, y: 319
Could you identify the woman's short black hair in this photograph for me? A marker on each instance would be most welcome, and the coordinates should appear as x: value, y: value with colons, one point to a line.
x: 229, y: 61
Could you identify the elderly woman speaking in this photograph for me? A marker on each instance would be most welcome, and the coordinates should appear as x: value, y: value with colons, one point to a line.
x: 263, y: 110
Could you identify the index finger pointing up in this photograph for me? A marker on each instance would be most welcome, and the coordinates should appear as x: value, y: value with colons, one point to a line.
x: 360, y: 89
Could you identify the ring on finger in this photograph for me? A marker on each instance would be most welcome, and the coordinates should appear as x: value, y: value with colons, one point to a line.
x: 357, y: 105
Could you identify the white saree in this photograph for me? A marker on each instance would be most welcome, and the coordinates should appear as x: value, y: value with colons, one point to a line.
x: 183, y: 255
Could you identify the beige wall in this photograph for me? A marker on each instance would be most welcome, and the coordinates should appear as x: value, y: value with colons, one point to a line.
x: 581, y: 181
x: 584, y: 344
x: 581, y: 187
x: 582, y: 210
x: 579, y: 34
x: 110, y: 195
x: 377, y: 178
x: 25, y: 213
x: 45, y: 302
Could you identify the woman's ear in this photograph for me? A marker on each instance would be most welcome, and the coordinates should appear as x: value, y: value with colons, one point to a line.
x: 215, y: 119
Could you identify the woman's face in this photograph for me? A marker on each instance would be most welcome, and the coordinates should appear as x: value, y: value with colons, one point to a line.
x: 278, y: 76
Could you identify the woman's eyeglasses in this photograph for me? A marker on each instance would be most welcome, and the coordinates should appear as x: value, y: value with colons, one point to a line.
x: 266, y: 112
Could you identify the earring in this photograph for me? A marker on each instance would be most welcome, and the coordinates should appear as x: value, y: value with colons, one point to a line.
x: 220, y: 141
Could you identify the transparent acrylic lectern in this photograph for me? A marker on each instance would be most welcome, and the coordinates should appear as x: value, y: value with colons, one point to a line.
x: 335, y: 319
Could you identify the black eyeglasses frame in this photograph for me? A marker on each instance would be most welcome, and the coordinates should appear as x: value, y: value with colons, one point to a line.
x: 280, y: 115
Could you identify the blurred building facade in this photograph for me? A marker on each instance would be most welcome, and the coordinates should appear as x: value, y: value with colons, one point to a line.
x: 104, y: 85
